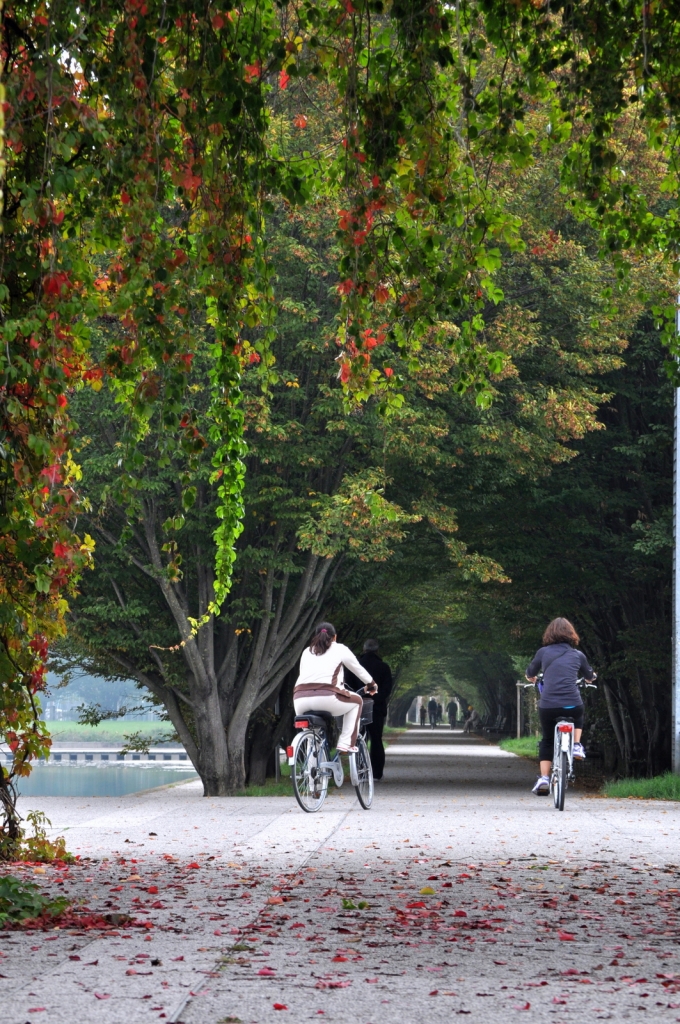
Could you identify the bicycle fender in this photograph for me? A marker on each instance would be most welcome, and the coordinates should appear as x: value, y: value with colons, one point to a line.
x: 295, y: 744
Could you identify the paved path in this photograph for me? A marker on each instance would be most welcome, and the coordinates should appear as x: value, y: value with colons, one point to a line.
x: 254, y: 905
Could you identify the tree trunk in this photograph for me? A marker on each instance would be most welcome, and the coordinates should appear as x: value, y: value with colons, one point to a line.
x: 213, y: 763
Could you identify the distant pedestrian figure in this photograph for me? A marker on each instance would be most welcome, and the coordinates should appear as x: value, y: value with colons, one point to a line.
x: 452, y: 712
x: 432, y: 712
x: 382, y: 674
x: 423, y: 715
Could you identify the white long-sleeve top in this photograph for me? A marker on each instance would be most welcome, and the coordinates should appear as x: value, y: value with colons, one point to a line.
x: 327, y: 670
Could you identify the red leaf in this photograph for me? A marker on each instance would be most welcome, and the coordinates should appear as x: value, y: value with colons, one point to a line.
x: 300, y: 121
x: 527, y: 1006
x: 280, y: 1006
x: 460, y: 913
x: 434, y: 992
x: 339, y: 959
x: 194, y: 865
x: 389, y: 371
x: 284, y: 79
x: 102, y: 995
x: 566, y: 936
x: 420, y: 903
x: 266, y: 972
x: 153, y: 889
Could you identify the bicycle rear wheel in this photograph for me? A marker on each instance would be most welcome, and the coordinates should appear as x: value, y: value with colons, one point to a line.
x: 560, y: 780
x: 309, y: 782
x: 365, y: 774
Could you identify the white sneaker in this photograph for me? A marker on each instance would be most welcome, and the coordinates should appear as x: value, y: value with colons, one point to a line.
x: 579, y: 752
x: 542, y: 787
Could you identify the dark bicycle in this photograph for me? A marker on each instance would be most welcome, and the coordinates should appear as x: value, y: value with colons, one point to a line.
x: 312, y: 767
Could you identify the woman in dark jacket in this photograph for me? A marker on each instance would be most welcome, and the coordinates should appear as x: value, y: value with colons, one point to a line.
x: 561, y: 664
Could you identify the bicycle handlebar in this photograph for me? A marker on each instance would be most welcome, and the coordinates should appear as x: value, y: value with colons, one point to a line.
x: 579, y: 682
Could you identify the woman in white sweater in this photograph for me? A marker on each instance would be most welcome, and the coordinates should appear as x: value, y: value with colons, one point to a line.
x: 320, y: 685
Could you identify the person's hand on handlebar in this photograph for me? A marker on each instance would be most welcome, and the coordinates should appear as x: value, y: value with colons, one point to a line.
x: 371, y: 687
x: 531, y: 679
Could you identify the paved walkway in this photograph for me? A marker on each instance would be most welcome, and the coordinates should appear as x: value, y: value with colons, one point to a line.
x: 258, y: 910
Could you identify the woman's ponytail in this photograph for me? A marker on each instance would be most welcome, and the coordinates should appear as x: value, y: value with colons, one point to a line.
x: 323, y: 638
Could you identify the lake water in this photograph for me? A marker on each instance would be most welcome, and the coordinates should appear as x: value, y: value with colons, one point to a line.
x: 112, y: 779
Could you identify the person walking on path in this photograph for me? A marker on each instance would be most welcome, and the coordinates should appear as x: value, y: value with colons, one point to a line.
x: 432, y: 712
x: 561, y: 664
x: 320, y: 685
x: 423, y: 716
x: 452, y: 712
x: 382, y: 675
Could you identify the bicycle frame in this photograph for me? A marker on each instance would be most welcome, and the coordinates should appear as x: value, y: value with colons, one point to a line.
x: 564, y: 743
x: 333, y: 769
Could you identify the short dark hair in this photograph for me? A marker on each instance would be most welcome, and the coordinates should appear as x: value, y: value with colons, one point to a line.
x: 560, y: 631
x: 371, y: 645
x: 324, y: 634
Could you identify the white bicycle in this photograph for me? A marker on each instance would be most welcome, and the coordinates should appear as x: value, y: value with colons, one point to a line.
x: 312, y: 768
x: 562, y: 770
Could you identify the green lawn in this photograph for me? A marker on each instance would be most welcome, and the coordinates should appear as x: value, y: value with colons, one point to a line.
x: 272, y: 788
x: 661, y: 787
x: 525, y: 746
x: 106, y: 732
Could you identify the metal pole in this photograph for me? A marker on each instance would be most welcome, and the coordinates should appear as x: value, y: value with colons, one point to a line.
x: 519, y: 710
x: 675, y: 712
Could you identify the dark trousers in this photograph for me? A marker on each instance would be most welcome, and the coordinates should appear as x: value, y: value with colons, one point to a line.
x: 549, y: 718
x: 375, y: 731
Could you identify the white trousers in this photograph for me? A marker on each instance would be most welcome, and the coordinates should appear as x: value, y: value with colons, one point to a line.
x: 348, y: 705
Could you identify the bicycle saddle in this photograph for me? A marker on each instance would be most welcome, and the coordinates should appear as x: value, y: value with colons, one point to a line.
x: 316, y: 719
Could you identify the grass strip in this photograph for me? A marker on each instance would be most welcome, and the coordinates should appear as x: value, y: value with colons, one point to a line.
x: 660, y: 787
x: 106, y: 732
x: 525, y: 746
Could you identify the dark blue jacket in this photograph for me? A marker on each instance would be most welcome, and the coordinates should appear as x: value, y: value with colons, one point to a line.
x: 561, y: 665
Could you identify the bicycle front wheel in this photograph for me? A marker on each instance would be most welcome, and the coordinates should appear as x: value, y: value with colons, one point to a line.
x: 309, y: 782
x: 560, y: 780
x: 365, y: 774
